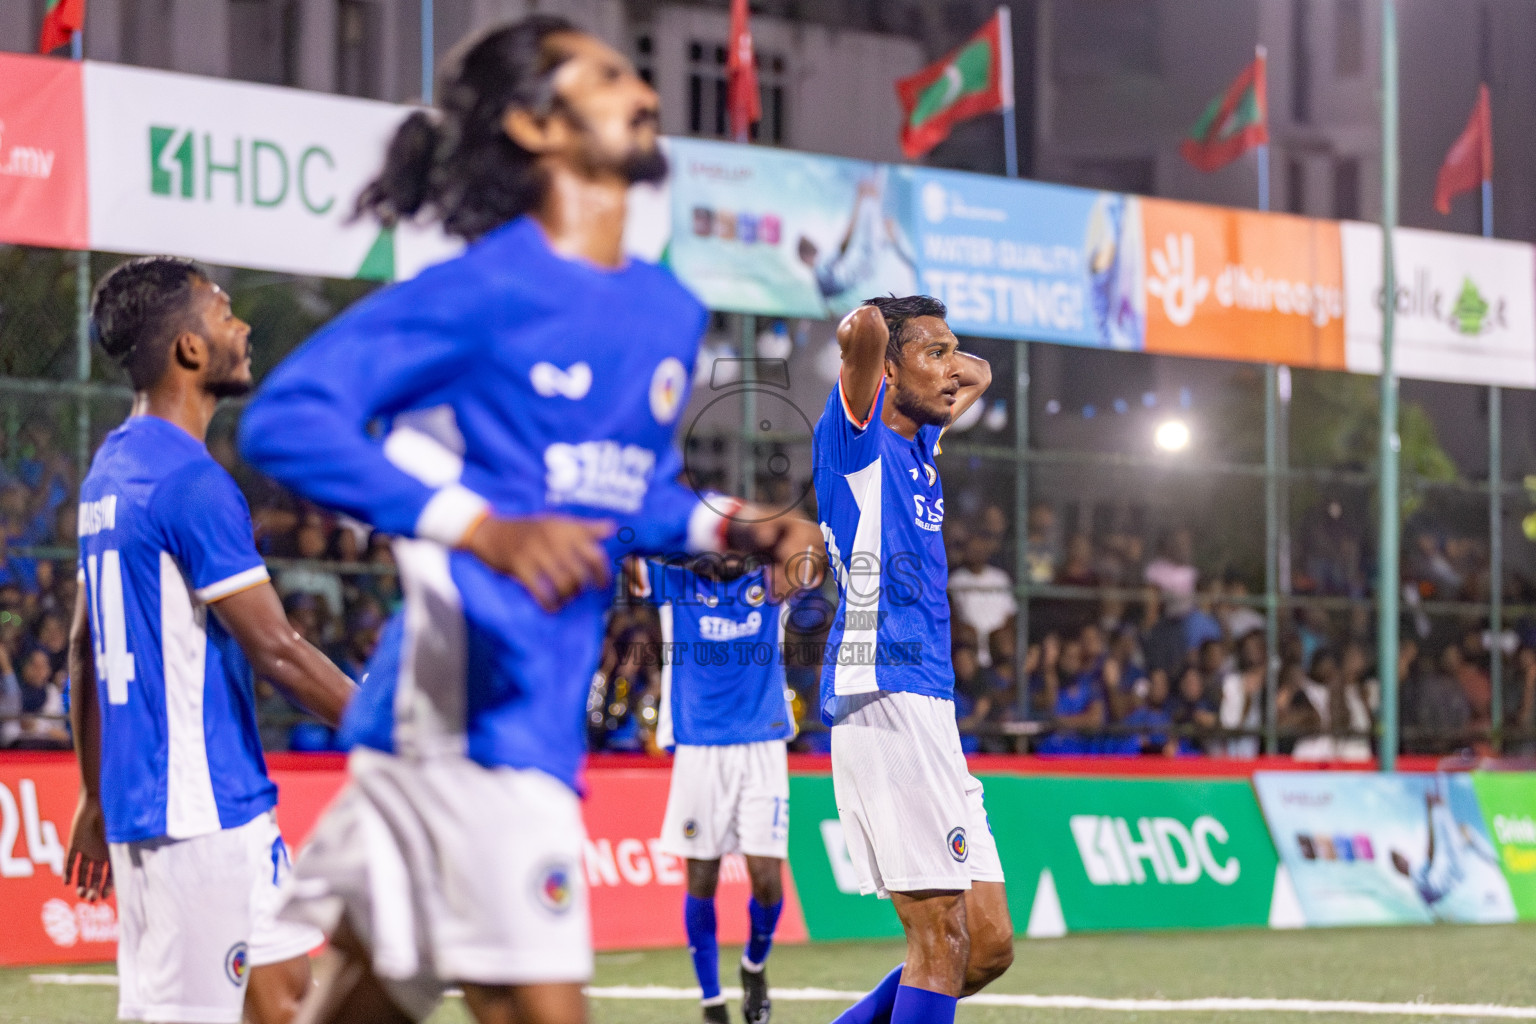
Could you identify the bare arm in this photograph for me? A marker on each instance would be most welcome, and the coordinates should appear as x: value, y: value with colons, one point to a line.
x: 255, y: 618
x: 862, y: 337
x: 1092, y: 718
x: 975, y: 378
x: 87, y: 865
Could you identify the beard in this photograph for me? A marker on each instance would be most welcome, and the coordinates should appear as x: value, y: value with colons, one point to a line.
x: 229, y: 387
x: 645, y: 168
x: 909, y: 406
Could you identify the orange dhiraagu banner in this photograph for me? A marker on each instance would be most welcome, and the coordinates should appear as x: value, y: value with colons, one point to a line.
x: 42, y: 153
x: 637, y: 890
x: 1237, y: 284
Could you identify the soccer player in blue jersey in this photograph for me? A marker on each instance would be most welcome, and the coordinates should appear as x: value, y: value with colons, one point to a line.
x: 725, y: 714
x: 175, y: 608
x: 912, y: 813
x: 526, y: 395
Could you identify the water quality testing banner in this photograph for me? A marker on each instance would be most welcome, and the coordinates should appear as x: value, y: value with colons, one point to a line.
x: 1020, y: 259
x: 1385, y: 849
x: 1079, y: 854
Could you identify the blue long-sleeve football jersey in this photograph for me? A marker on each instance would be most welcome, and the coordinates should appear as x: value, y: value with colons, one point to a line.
x: 510, y: 378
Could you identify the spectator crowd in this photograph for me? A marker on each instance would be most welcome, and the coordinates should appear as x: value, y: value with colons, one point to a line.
x: 1135, y: 647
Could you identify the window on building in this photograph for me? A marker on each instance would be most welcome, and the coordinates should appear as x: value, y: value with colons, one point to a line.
x: 1135, y: 176
x: 1295, y: 186
x: 358, y: 46
x: 1348, y: 37
x: 1301, y: 62
x: 145, y: 32
x: 1106, y: 38
x: 263, y: 41
x: 1346, y: 189
x: 708, y: 93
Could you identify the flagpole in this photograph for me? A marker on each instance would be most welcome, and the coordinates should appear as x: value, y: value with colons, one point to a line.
x: 1262, y: 53
x: 1005, y: 79
x: 1387, y: 580
x: 428, y: 50
x: 82, y: 319
x: 1495, y: 512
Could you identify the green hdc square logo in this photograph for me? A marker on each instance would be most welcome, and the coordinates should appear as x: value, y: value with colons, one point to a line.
x: 188, y: 164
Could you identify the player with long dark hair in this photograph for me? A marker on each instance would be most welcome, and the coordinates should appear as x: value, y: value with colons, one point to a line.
x: 528, y: 393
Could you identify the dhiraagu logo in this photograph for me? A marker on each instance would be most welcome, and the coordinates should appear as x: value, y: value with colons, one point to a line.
x: 188, y: 164
x: 1116, y: 852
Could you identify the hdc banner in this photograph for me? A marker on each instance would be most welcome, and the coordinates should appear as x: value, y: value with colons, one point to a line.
x: 1384, y: 849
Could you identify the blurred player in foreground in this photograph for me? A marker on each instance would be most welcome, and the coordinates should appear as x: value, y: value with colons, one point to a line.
x: 912, y: 813
x: 724, y: 710
x: 176, y: 811
x: 529, y: 391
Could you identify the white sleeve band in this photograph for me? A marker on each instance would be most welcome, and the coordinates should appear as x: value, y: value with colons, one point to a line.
x: 450, y: 514
x: 706, y: 525
x: 232, y: 585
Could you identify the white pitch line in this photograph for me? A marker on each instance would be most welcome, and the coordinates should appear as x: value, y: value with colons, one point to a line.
x: 1214, y: 1004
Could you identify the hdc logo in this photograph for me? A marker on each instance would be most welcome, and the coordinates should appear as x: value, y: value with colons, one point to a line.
x: 1178, y: 855
x: 189, y: 164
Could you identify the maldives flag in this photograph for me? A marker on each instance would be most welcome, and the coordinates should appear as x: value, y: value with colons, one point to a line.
x: 743, y: 103
x: 1470, y: 160
x: 61, y: 19
x: 976, y: 78
x: 1235, y: 122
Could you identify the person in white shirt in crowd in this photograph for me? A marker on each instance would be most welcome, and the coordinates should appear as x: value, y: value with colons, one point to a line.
x: 1173, y: 573
x: 1242, y: 696
x: 982, y: 595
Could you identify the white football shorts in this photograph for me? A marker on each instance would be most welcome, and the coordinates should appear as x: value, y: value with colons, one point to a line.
x: 450, y: 872
x: 728, y: 799
x: 911, y: 810
x: 194, y: 916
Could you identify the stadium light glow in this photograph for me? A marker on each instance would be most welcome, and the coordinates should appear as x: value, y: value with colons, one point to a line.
x: 1171, y: 436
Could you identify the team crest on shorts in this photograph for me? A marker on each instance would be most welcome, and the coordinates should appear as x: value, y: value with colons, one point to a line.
x: 690, y: 829
x: 958, y: 848
x: 235, y: 964
x: 554, y: 888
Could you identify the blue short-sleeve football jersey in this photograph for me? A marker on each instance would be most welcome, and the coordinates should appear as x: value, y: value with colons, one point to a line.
x: 512, y: 378
x: 722, y: 673
x: 881, y: 505
x: 163, y: 532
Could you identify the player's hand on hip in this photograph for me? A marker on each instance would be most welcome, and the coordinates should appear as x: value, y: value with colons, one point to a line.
x: 88, y: 866
x: 555, y: 557
x: 791, y: 542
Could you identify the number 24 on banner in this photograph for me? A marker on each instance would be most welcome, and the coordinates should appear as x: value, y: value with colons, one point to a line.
x: 43, y: 845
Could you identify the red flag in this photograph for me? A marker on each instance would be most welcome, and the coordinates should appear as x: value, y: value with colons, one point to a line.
x: 1470, y: 160
x: 976, y: 78
x: 743, y: 103
x: 1233, y: 123
x: 62, y: 19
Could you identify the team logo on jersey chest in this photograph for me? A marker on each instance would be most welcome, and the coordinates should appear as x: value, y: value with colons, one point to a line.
x: 554, y: 887
x: 235, y: 964
x: 690, y: 829
x: 756, y: 594
x: 958, y: 847
x: 930, y: 513
x: 667, y: 385
x: 549, y: 380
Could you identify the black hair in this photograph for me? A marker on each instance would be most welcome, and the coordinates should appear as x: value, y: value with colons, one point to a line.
x: 897, y: 313
x: 456, y: 162
x: 139, y: 307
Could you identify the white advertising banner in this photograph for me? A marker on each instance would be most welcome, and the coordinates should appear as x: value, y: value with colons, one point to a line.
x: 1466, y: 306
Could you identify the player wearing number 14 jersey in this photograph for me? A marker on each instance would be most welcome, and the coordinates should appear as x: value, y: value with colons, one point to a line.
x: 176, y: 810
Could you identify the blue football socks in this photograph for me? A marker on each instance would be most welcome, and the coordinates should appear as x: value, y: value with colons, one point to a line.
x: 699, y: 919
x: 876, y: 1007
x: 920, y: 1006
x: 764, y: 921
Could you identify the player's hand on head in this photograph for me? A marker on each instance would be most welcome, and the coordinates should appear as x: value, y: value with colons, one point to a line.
x: 790, y: 542
x: 556, y: 557
x: 88, y: 865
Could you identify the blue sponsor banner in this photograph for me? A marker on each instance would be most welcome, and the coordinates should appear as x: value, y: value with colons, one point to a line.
x: 1384, y: 849
x: 779, y: 233
x: 1020, y: 259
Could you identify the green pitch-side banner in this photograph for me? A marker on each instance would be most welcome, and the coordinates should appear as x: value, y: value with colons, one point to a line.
x: 1508, y: 801
x: 1079, y: 854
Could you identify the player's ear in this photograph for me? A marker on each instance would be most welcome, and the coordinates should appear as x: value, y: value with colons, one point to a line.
x: 532, y: 132
x: 190, y: 350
